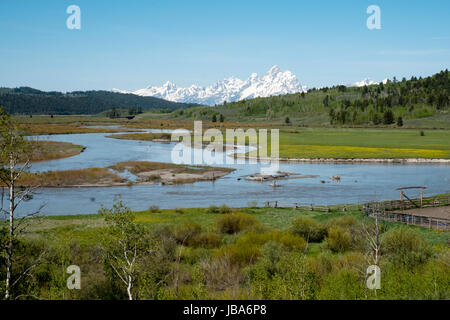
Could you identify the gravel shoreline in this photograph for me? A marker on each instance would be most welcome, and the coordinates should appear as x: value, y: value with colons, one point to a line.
x: 355, y: 160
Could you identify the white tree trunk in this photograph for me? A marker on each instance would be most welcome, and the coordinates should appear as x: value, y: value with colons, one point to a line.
x: 10, y: 243
x: 130, y: 284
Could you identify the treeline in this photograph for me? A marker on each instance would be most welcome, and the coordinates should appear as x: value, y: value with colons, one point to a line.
x: 28, y: 101
x: 391, y: 102
x: 118, y: 113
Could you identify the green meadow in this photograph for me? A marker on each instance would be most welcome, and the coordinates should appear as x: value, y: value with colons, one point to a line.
x: 364, y: 143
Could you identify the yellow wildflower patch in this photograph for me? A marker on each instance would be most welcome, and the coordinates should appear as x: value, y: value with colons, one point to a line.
x: 349, y: 152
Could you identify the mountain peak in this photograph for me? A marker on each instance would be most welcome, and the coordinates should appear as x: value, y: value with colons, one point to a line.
x: 365, y: 82
x: 274, y: 82
x: 274, y: 70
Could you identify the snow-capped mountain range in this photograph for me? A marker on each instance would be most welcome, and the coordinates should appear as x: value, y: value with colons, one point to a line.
x: 274, y: 82
x: 368, y: 82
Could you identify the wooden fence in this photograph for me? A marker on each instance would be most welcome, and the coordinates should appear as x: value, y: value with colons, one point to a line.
x: 386, y: 211
x: 410, y: 219
x: 428, y: 202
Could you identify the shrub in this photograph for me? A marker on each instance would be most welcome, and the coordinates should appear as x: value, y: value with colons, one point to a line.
x: 154, y: 209
x: 405, y: 246
x: 345, y: 284
x: 293, y: 242
x: 222, y: 209
x: 206, y: 240
x: 184, y: 233
x: 308, y: 228
x: 179, y: 210
x: 290, y: 241
x: 346, y: 222
x: 352, y: 260
x: 239, y: 254
x: 338, y: 240
x: 221, y: 273
x: 235, y: 223
x: 213, y: 209
x: 322, y: 264
x: 350, y: 225
x: 190, y: 255
x: 282, y: 276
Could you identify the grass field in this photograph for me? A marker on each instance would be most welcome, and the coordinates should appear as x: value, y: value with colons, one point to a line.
x: 64, y: 229
x: 363, y: 143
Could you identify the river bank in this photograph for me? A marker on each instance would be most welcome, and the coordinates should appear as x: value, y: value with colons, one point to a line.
x: 350, y: 161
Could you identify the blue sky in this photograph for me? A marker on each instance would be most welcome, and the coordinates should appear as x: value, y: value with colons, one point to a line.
x: 135, y: 43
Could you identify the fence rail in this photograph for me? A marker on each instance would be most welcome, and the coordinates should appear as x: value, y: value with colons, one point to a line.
x: 410, y: 219
x: 386, y: 211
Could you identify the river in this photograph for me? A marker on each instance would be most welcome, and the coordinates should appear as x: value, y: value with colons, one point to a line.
x: 359, y: 182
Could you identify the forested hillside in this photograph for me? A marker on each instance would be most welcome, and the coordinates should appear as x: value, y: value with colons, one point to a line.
x: 380, y: 104
x: 26, y: 100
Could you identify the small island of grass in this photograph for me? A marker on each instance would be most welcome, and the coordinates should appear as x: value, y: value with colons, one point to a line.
x: 156, y: 137
x: 51, y: 150
x: 144, y: 172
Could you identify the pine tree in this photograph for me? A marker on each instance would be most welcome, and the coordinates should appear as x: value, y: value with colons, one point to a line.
x: 388, y: 117
x: 325, y: 101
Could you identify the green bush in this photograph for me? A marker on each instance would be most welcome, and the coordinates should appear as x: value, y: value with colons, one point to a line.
x: 206, y: 240
x: 428, y: 281
x: 353, y: 228
x: 240, y: 254
x: 405, y: 246
x: 345, y: 284
x: 213, y: 209
x: 154, y: 209
x: 290, y: 241
x: 222, y: 209
x: 185, y: 232
x: 282, y: 276
x: 191, y: 255
x: 346, y: 222
x: 236, y: 222
x: 338, y: 240
x: 308, y: 228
